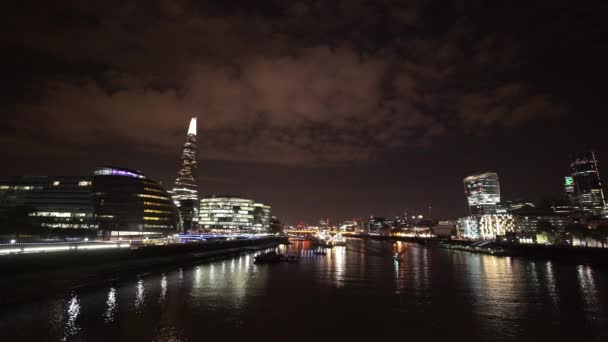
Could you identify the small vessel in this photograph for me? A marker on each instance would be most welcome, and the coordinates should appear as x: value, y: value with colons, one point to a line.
x: 319, y: 253
x: 291, y: 259
x: 268, y: 257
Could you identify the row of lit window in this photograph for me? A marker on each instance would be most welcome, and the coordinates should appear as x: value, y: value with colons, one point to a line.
x: 152, y: 189
x: 57, y: 214
x: 157, y: 211
x: 161, y: 226
x: 154, y: 218
x: 152, y: 196
x: 20, y: 187
x: 157, y: 204
x: 69, y: 225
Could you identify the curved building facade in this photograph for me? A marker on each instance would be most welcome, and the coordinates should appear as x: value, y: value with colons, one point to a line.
x: 128, y: 203
x: 229, y: 214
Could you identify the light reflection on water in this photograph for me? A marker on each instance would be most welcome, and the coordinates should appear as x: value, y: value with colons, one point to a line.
x: 71, y: 325
x: 139, y: 295
x: 448, y: 294
x: 588, y: 290
x: 163, y: 288
x: 110, y: 306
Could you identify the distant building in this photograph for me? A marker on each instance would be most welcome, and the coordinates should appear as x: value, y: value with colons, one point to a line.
x: 114, y: 202
x: 468, y: 227
x: 482, y: 192
x: 185, y: 193
x: 445, y: 228
x: 527, y: 219
x: 229, y: 214
x: 49, y: 202
x: 493, y: 225
x: 584, y: 186
x: 126, y: 202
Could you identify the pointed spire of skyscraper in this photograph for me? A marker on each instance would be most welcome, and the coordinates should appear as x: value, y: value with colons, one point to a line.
x: 192, y: 127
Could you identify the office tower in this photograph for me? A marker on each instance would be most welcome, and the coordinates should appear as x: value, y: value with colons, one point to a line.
x: 584, y: 186
x: 229, y: 214
x: 482, y: 192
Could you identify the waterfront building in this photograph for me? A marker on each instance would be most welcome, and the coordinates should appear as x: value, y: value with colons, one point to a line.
x: 468, y: 227
x: 493, y: 225
x: 229, y: 214
x: 482, y: 192
x: 584, y: 185
x: 185, y: 192
x: 46, y: 203
x: 527, y: 219
x: 126, y: 202
x: 445, y: 229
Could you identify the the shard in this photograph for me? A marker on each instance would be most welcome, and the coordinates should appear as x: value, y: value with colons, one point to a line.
x: 185, y: 192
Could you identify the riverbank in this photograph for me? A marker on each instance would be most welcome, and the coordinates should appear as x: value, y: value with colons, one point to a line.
x: 31, y: 277
x: 567, y: 254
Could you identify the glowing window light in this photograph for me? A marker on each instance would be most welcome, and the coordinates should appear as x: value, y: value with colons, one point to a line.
x: 56, y: 183
x: 153, y: 196
x: 156, y: 211
x: 153, y: 218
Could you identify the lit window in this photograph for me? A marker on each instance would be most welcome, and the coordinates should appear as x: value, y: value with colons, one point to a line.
x: 56, y: 183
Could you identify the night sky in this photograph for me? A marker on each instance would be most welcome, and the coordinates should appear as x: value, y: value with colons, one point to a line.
x: 333, y: 109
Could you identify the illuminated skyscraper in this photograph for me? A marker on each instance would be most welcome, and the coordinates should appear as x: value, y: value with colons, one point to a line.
x: 185, y: 194
x: 585, y: 184
x: 483, y: 193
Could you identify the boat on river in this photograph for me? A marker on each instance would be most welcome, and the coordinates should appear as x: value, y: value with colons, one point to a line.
x: 269, y: 257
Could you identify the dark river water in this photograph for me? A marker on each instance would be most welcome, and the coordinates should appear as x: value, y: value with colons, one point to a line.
x: 355, y: 292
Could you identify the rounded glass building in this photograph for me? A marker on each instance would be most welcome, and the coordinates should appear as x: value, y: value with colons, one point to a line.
x: 128, y: 203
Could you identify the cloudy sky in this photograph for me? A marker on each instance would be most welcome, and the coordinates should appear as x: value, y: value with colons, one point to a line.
x: 319, y: 108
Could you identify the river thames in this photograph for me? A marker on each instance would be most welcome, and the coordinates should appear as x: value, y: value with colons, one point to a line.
x: 354, y: 292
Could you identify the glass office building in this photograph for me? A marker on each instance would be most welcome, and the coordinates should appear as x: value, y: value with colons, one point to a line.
x: 47, y: 202
x: 482, y: 192
x: 126, y: 202
x: 584, y: 186
x: 229, y: 214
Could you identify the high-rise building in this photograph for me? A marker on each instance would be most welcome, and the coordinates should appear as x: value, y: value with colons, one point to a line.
x: 184, y: 193
x: 483, y: 193
x: 584, y: 186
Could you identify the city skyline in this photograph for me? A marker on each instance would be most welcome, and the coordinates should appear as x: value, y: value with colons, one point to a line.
x: 316, y: 120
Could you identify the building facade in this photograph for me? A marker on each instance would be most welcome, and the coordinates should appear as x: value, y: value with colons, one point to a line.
x: 584, y: 186
x: 468, y: 227
x: 126, y: 202
x: 493, y: 225
x: 185, y: 192
x: 48, y: 202
x: 229, y: 214
x: 482, y: 192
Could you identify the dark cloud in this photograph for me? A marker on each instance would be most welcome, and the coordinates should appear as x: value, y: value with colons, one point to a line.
x: 282, y: 82
x: 256, y: 75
